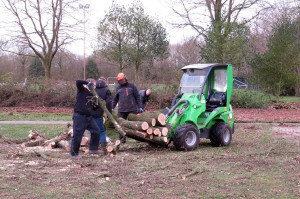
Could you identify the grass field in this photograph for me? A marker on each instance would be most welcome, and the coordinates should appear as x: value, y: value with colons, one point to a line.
x: 257, y: 164
x: 13, y: 116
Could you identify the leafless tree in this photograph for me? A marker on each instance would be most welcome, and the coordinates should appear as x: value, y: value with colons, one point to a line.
x: 43, y: 26
x: 197, y: 14
x: 186, y: 53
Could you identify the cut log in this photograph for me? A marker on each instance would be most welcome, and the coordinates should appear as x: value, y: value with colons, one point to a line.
x: 143, y: 137
x: 34, y: 135
x: 33, y: 143
x: 112, y: 148
x: 46, y: 157
x: 163, y: 140
x: 156, y: 131
x: 161, y: 118
x: 136, y: 125
x: 14, y: 140
x: 64, y: 144
x: 117, y: 142
x: 136, y: 132
x: 164, y: 131
x: 84, y: 141
x: 51, y: 145
x: 149, y: 131
x: 142, y: 117
x: 110, y: 116
x: 62, y: 136
x: 150, y: 137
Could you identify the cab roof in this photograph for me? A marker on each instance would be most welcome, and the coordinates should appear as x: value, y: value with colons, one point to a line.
x: 202, y: 66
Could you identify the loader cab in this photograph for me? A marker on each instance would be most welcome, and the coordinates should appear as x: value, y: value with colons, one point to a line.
x: 213, y: 83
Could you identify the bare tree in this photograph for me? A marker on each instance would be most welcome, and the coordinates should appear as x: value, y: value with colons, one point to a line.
x: 198, y: 14
x: 42, y: 26
x: 186, y: 53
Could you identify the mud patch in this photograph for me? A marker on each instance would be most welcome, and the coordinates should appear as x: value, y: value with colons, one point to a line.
x: 288, y: 132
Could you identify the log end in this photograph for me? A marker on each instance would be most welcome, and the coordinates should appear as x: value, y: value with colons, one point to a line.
x: 153, y: 123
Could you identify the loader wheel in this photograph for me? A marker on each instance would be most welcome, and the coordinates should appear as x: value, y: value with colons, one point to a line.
x: 221, y: 134
x: 186, y: 137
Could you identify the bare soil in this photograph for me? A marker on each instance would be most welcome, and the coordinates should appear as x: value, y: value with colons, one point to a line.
x: 239, y: 113
x: 255, y: 165
x: 263, y: 161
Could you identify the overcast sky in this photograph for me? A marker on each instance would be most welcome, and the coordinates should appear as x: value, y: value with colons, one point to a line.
x: 156, y: 8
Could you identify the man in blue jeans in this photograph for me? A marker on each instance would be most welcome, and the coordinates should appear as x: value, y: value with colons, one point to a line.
x: 83, y: 120
x: 105, y: 94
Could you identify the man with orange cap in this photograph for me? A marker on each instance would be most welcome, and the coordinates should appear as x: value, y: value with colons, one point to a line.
x: 128, y: 99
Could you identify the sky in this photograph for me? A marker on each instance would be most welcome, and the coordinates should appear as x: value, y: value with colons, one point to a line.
x: 158, y: 9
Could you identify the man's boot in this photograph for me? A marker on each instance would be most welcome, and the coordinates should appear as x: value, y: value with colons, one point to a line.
x: 103, y: 147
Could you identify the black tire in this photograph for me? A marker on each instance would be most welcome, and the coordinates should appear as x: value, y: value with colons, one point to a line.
x: 186, y: 137
x: 221, y: 134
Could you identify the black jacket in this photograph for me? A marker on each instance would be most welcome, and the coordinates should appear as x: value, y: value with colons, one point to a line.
x: 105, y: 94
x: 83, y: 105
x: 143, y: 97
x: 127, y: 97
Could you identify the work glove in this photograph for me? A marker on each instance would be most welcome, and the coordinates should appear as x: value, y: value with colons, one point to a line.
x: 90, y: 85
x: 140, y: 110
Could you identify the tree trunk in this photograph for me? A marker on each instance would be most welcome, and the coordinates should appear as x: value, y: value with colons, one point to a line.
x: 64, y: 144
x: 142, y: 117
x: 110, y: 116
x: 47, y: 65
x: 136, y: 125
x: 142, y: 136
x: 14, y: 140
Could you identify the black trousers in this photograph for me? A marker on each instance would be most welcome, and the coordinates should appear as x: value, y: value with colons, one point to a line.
x: 80, y: 124
x: 124, y: 115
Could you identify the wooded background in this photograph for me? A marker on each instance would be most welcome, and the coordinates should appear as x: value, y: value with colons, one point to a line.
x: 264, y: 48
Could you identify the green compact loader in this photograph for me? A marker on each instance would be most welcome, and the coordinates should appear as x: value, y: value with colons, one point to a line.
x: 202, y: 109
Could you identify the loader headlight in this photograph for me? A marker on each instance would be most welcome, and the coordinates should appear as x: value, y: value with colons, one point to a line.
x: 195, y: 106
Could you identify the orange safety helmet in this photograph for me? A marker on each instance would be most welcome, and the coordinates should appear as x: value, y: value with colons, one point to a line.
x: 121, y: 76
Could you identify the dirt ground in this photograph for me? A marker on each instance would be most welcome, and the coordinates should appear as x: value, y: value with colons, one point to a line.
x: 263, y: 161
x: 255, y: 165
x: 239, y: 113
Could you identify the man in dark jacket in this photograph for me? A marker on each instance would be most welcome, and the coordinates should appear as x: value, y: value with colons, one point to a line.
x: 105, y: 94
x: 144, y: 97
x: 127, y: 97
x: 83, y: 120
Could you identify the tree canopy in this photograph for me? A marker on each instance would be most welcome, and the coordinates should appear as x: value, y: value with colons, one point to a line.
x: 276, y: 69
x: 92, y: 69
x: 130, y: 37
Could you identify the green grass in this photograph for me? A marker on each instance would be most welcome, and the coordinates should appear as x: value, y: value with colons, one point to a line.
x: 22, y: 130
x: 256, y: 165
x: 14, y: 116
x: 287, y: 99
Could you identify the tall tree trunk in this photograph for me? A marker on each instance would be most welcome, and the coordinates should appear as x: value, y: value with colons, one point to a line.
x: 47, y: 65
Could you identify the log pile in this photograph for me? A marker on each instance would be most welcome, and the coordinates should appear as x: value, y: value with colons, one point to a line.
x: 138, y: 125
x: 36, y: 139
x: 146, y: 127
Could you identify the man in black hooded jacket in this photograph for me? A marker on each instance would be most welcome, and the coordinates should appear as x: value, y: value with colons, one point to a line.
x: 105, y: 94
x: 83, y: 120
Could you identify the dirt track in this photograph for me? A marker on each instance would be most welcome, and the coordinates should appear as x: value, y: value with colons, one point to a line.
x: 240, y: 114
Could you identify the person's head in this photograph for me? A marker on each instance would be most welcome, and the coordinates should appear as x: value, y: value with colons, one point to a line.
x: 102, y: 79
x: 91, y: 80
x: 121, y: 78
x: 148, y: 92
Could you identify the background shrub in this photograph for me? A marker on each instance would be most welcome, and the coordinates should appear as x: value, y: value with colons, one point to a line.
x: 249, y: 99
